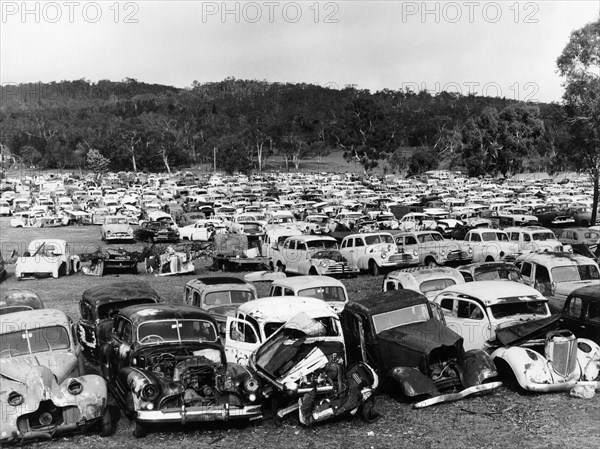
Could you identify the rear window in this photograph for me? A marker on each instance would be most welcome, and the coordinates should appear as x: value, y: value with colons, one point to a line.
x: 228, y: 297
x: 324, y: 293
x: 434, y: 285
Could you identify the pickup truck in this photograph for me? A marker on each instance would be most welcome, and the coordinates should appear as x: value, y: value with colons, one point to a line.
x: 489, y: 245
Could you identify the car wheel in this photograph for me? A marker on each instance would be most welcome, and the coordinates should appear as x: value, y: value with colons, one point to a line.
x: 374, y: 268
x: 430, y: 262
x: 313, y: 271
x: 489, y: 259
x: 134, y: 269
x: 105, y: 426
x: 139, y: 430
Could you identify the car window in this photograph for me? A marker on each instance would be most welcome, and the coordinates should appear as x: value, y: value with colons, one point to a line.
x: 573, y: 307
x: 87, y: 313
x: 31, y: 341
x: 410, y: 240
x: 594, y: 311
x: 358, y: 241
x: 196, y: 301
x: 467, y: 276
x: 475, y: 238
x: 390, y: 285
x: 401, y: 317
x: 514, y: 236
x: 526, y: 238
x: 434, y: 285
x: 469, y: 310
x: 288, y: 292
x: 324, y: 293
x: 526, y: 269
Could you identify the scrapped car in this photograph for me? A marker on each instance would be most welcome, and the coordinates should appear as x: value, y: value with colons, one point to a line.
x: 534, y: 239
x: 111, y: 261
x: 411, y: 349
x: 100, y: 304
x: 374, y: 252
x: 489, y: 245
x: 326, y: 288
x: 116, y: 228
x: 432, y: 249
x: 47, y: 257
x: 166, y: 364
x: 579, y: 236
x: 491, y: 271
x: 202, y: 230
x: 475, y: 310
x: 170, y: 262
x: 581, y: 313
x: 19, y: 300
x: 316, y: 224
x: 428, y: 281
x: 555, y: 275
x: 544, y: 359
x: 157, y: 231
x: 304, y: 362
x: 218, y: 295
x: 45, y: 391
x: 311, y: 254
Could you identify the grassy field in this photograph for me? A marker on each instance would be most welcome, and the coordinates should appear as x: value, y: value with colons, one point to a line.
x: 503, y: 419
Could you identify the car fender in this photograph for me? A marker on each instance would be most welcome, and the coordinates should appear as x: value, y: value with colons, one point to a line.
x: 588, y: 358
x: 135, y: 379
x: 412, y: 382
x: 477, y: 368
x: 529, y: 367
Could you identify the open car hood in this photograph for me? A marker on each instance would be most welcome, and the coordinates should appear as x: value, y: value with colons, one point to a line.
x: 528, y: 330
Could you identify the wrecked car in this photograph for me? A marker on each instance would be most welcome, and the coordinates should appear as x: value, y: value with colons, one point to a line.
x: 411, y: 348
x: 167, y: 365
x: 47, y: 257
x: 489, y: 271
x: 19, y: 300
x: 429, y: 281
x: 45, y: 391
x: 100, y: 304
x: 112, y: 261
x: 326, y: 288
x: 543, y: 359
x: 304, y: 362
x: 168, y: 262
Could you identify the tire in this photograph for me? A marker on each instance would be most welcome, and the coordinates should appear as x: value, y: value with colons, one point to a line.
x: 133, y: 270
x: 374, y: 268
x: 313, y: 271
x: 139, y: 431
x: 105, y: 426
x: 430, y: 262
x: 62, y: 270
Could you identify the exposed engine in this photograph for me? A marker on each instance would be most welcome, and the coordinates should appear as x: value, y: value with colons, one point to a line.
x: 442, y: 367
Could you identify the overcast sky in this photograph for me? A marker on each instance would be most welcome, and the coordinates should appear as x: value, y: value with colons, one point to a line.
x: 503, y: 48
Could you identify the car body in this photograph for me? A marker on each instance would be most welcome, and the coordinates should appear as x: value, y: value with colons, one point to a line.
x: 556, y: 274
x: 490, y: 271
x: 426, y: 280
x: 28, y: 219
x: 47, y: 257
x: 330, y: 290
x: 534, y: 239
x: 19, y: 300
x: 156, y: 231
x: 311, y: 254
x: 99, y: 305
x: 166, y: 365
x: 416, y: 221
x: 202, y: 230
x: 489, y: 245
x: 581, y: 313
x: 218, y: 295
x: 411, y: 349
x: 316, y: 224
x: 45, y: 391
x: 578, y: 236
x: 387, y: 221
x: 374, y: 251
x: 432, y: 249
x: 170, y: 261
x: 475, y: 310
x: 581, y: 215
x: 558, y: 361
x: 116, y: 228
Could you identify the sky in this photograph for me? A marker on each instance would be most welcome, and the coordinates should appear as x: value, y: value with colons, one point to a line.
x: 502, y: 48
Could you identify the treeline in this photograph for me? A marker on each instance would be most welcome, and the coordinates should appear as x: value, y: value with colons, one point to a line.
x: 240, y: 124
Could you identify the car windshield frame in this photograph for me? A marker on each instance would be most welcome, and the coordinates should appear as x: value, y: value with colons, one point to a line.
x: 321, y: 245
x: 35, y: 341
x: 419, y: 313
x: 178, y: 325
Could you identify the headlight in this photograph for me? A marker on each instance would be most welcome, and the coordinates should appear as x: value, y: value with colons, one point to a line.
x: 149, y: 392
x: 383, y: 255
x: 109, y: 232
x: 470, y: 250
x: 129, y: 230
x: 415, y: 252
x: 442, y: 252
x: 323, y: 263
x: 15, y: 399
x: 251, y: 385
x: 92, y: 410
x: 75, y: 387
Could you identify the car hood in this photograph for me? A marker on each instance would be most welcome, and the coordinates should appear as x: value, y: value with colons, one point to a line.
x: 421, y: 337
x: 525, y: 331
x: 59, y: 362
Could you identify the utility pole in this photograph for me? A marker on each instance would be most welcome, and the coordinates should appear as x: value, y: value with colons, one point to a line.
x: 214, y: 159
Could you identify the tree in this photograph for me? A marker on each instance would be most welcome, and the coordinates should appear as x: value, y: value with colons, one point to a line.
x: 579, y: 63
x: 423, y: 160
x: 96, y: 162
x: 30, y: 155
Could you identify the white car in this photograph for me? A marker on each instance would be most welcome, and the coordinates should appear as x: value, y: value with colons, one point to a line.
x: 4, y: 208
x: 116, y: 228
x: 490, y: 245
x: 47, y: 257
x: 202, y: 231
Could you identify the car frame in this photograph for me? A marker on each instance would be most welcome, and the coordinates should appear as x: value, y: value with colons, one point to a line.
x: 432, y: 249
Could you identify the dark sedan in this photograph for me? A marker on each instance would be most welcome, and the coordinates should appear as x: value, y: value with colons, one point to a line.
x: 581, y: 313
x: 157, y: 231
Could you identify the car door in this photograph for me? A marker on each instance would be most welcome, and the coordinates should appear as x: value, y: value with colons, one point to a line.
x: 241, y: 339
x: 573, y: 316
x: 290, y: 255
x: 120, y: 351
x: 468, y: 319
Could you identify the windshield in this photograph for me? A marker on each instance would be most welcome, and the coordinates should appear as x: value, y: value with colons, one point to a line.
x: 31, y: 341
x: 543, y: 236
x: 430, y: 237
x: 380, y: 238
x: 494, y: 236
x: 321, y: 244
x: 177, y: 331
x: 575, y: 273
x: 435, y: 285
x: 401, y: 317
x: 511, y: 274
x: 116, y: 220
x: 324, y: 293
x: 519, y: 308
x: 228, y: 297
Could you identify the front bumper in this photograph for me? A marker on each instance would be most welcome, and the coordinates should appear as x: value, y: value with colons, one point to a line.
x: 458, y: 258
x: 119, y: 236
x: 337, y: 269
x: 199, y: 414
x: 400, y: 260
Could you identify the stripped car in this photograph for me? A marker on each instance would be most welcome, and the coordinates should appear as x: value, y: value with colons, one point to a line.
x: 412, y: 349
x: 167, y: 261
x: 47, y: 257
x: 166, y: 364
x: 100, y: 304
x: 45, y: 391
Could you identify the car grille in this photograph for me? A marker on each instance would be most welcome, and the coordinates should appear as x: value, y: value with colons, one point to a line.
x: 337, y: 268
x: 458, y: 255
x: 50, y: 415
x: 400, y: 258
x: 561, y: 351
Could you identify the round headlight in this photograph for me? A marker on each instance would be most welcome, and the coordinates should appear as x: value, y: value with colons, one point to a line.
x: 383, y: 255
x: 415, y: 252
x: 75, y: 387
x: 251, y: 385
x: 129, y: 230
x: 15, y: 399
x: 323, y: 263
x: 149, y: 392
x: 109, y: 232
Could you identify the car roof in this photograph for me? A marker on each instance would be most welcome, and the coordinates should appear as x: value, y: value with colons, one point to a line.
x: 310, y: 238
x: 308, y: 282
x: 119, y: 291
x: 589, y: 291
x: 153, y: 312
x: 557, y: 258
x: 495, y: 292
x: 486, y: 266
x: 30, y: 319
x: 424, y: 272
x: 382, y: 302
x: 282, y: 308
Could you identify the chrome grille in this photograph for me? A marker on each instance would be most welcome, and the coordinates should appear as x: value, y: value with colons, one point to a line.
x: 458, y: 255
x: 561, y: 351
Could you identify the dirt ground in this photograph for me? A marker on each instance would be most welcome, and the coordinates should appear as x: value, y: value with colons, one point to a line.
x: 505, y: 418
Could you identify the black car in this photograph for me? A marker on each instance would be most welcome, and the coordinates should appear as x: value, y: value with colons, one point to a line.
x: 165, y: 364
x: 403, y: 336
x: 100, y: 304
x: 157, y: 231
x: 581, y: 313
